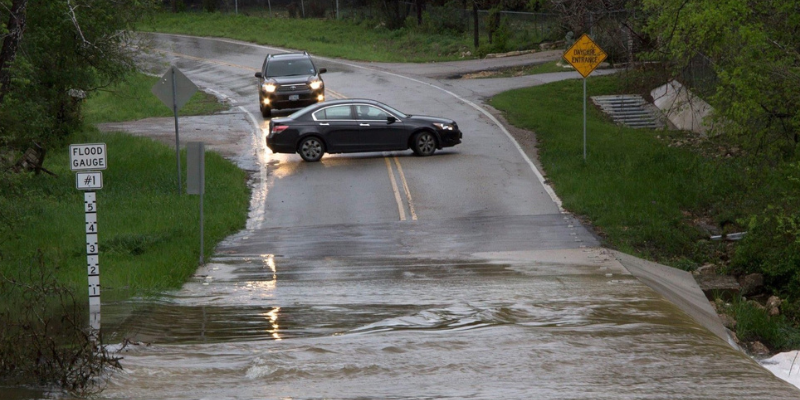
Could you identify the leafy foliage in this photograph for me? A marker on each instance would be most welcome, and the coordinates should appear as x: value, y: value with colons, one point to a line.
x: 754, y: 50
x: 69, y: 48
x: 44, y: 339
x: 773, y: 244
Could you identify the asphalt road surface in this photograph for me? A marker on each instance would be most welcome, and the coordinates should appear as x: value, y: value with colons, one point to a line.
x: 384, y: 275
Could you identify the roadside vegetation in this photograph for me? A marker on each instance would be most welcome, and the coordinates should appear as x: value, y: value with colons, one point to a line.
x: 441, y: 35
x: 149, y: 235
x: 61, y: 72
x: 656, y: 194
x: 660, y: 195
x: 132, y: 99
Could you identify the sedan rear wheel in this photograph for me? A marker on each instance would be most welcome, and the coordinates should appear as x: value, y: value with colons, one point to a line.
x: 424, y: 144
x: 311, y: 149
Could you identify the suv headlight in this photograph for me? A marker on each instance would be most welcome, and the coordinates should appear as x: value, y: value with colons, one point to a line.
x: 269, y: 87
x: 315, y: 85
x: 444, y: 127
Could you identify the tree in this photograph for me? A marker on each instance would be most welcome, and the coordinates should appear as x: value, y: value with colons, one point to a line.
x: 754, y: 50
x: 12, y: 33
x: 68, y: 47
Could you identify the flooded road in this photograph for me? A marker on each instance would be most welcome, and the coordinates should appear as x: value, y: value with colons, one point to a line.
x: 386, y: 276
x: 444, y: 323
x: 405, y: 327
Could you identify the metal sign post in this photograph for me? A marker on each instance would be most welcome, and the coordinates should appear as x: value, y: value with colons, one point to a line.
x: 90, y: 157
x: 196, y: 180
x: 174, y: 89
x: 585, y: 55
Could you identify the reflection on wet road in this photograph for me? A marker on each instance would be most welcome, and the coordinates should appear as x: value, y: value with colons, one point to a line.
x: 406, y: 327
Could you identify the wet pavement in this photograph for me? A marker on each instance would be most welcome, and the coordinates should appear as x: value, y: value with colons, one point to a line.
x: 460, y: 279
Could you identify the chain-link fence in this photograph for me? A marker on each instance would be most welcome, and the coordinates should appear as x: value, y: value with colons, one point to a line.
x: 616, y: 32
x: 513, y: 30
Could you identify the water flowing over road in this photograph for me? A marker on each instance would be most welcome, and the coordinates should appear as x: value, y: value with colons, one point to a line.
x: 390, y: 276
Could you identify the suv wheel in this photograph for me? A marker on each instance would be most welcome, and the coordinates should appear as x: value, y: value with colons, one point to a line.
x: 266, y: 112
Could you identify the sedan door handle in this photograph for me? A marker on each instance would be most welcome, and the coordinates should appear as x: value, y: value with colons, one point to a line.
x: 363, y: 124
x: 324, y: 124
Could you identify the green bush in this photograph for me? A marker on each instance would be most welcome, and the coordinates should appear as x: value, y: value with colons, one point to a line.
x: 443, y: 20
x: 772, y: 244
x: 753, y: 323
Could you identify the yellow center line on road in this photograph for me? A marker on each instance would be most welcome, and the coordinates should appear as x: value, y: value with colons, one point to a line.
x: 405, y: 188
x: 335, y: 95
x: 397, y: 198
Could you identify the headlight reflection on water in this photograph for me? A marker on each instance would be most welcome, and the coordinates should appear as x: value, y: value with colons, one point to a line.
x: 272, y: 316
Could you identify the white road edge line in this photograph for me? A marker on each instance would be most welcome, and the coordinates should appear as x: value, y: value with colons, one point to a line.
x: 489, y: 115
x: 397, y: 198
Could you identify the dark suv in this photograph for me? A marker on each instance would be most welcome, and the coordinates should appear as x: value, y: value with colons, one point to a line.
x: 289, y: 80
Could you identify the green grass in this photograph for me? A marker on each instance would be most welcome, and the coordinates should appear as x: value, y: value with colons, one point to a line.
x: 132, y: 99
x: 753, y: 323
x: 636, y: 191
x: 366, y: 41
x: 148, y: 234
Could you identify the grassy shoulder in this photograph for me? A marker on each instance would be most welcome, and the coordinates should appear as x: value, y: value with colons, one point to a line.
x: 132, y: 99
x: 366, y: 41
x: 639, y: 193
x: 148, y: 234
x: 649, y: 193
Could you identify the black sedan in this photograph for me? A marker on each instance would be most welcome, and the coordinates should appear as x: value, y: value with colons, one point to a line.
x: 358, y: 125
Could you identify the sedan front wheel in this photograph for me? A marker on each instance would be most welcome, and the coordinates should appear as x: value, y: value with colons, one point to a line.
x: 424, y: 144
x: 311, y: 149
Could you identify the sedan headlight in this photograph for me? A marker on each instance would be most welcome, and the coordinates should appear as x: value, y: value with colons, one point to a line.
x: 269, y: 87
x: 444, y: 127
x: 315, y: 85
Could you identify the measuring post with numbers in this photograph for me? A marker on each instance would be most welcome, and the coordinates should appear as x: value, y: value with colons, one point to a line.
x: 88, y: 159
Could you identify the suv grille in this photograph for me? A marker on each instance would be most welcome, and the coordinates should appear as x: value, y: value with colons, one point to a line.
x: 292, y: 88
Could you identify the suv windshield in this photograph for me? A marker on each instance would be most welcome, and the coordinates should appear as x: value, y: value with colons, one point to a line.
x: 301, y: 66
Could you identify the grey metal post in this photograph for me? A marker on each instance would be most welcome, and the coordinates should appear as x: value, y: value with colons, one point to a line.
x: 195, y: 182
x: 202, y: 235
x: 177, y: 137
x: 584, y: 119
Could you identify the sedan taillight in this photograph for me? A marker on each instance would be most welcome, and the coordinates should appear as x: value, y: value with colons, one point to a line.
x: 278, y: 129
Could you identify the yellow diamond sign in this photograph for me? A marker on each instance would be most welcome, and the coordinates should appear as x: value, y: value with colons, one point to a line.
x: 585, y: 55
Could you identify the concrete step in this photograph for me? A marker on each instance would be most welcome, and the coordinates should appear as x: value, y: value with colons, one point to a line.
x: 630, y: 110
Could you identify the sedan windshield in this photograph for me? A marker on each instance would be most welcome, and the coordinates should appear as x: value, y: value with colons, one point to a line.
x: 300, y: 66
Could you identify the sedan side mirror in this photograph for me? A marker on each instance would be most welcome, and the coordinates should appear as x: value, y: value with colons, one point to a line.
x: 390, y: 119
x: 258, y: 75
x: 323, y: 70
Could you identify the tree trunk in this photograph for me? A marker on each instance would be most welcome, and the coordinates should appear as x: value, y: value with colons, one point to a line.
x: 16, y: 26
x: 476, y: 39
x: 420, y: 4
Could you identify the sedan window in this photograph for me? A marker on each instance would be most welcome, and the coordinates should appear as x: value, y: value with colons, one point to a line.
x: 365, y: 112
x: 335, y: 112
